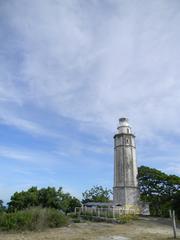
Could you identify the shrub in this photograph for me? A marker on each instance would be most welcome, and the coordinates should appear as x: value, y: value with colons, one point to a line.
x: 56, y: 218
x: 32, y: 219
x: 126, y: 218
x: 78, y: 220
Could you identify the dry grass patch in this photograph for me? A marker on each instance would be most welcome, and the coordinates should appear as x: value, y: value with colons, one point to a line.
x: 152, y: 229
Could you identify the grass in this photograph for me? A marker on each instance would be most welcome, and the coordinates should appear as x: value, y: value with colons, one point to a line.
x: 141, y: 229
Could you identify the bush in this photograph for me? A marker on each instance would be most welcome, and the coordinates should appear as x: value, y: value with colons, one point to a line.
x: 78, y: 220
x: 32, y: 219
x: 126, y: 218
x: 73, y: 215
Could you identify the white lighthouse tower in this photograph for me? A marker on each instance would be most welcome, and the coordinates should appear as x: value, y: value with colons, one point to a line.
x: 125, y: 191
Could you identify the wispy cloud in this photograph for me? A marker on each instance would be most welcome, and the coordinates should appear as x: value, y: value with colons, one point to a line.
x: 15, y: 154
x: 172, y: 168
x: 117, y: 64
x: 8, y: 117
x: 34, y: 157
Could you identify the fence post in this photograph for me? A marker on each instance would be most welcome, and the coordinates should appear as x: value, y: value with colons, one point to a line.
x: 85, y: 210
x: 82, y: 208
x: 173, y: 218
x: 174, y: 223
x: 113, y: 212
x: 98, y: 212
x: 170, y: 213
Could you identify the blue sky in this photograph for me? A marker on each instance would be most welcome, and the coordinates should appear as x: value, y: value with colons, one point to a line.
x: 68, y: 71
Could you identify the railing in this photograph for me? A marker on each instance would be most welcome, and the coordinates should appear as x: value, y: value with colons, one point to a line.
x: 111, y: 212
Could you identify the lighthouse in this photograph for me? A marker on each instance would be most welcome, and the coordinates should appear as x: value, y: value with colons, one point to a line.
x: 125, y: 190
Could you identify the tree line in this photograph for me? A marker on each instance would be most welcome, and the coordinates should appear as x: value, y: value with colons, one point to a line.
x: 161, y: 190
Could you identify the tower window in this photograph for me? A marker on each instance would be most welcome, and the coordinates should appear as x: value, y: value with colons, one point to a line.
x: 127, y: 141
x: 128, y: 130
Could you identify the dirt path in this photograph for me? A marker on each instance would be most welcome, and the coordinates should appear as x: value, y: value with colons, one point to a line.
x: 142, y: 229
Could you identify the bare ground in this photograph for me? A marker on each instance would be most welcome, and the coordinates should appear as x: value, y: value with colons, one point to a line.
x: 144, y: 228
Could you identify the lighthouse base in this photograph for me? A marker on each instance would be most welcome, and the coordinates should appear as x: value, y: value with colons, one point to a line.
x: 123, y: 196
x: 127, y: 198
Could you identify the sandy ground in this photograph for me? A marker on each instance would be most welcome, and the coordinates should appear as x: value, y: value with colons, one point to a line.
x: 144, y: 228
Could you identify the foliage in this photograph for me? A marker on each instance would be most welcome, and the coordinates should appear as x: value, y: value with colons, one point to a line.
x: 77, y: 220
x: 127, y: 218
x: 32, y: 219
x: 157, y: 188
x: 97, y: 194
x: 67, y: 202
x: 73, y: 203
x: 2, y: 208
x: 45, y: 197
x: 119, y: 219
x: 24, y: 199
x: 48, y: 197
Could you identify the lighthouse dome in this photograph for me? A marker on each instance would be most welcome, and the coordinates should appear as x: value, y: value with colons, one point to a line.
x: 124, y: 126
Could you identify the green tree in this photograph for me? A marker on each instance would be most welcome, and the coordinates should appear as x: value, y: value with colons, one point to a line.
x: 2, y: 208
x: 48, y: 197
x: 24, y: 199
x: 73, y: 203
x: 45, y: 197
x: 157, y: 188
x: 96, y: 194
x: 67, y: 202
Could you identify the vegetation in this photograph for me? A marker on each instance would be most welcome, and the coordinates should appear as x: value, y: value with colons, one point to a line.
x: 32, y: 219
x: 97, y: 194
x: 44, y: 197
x: 36, y: 209
x: 121, y: 219
x: 160, y: 189
x: 2, y: 208
x: 127, y: 218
